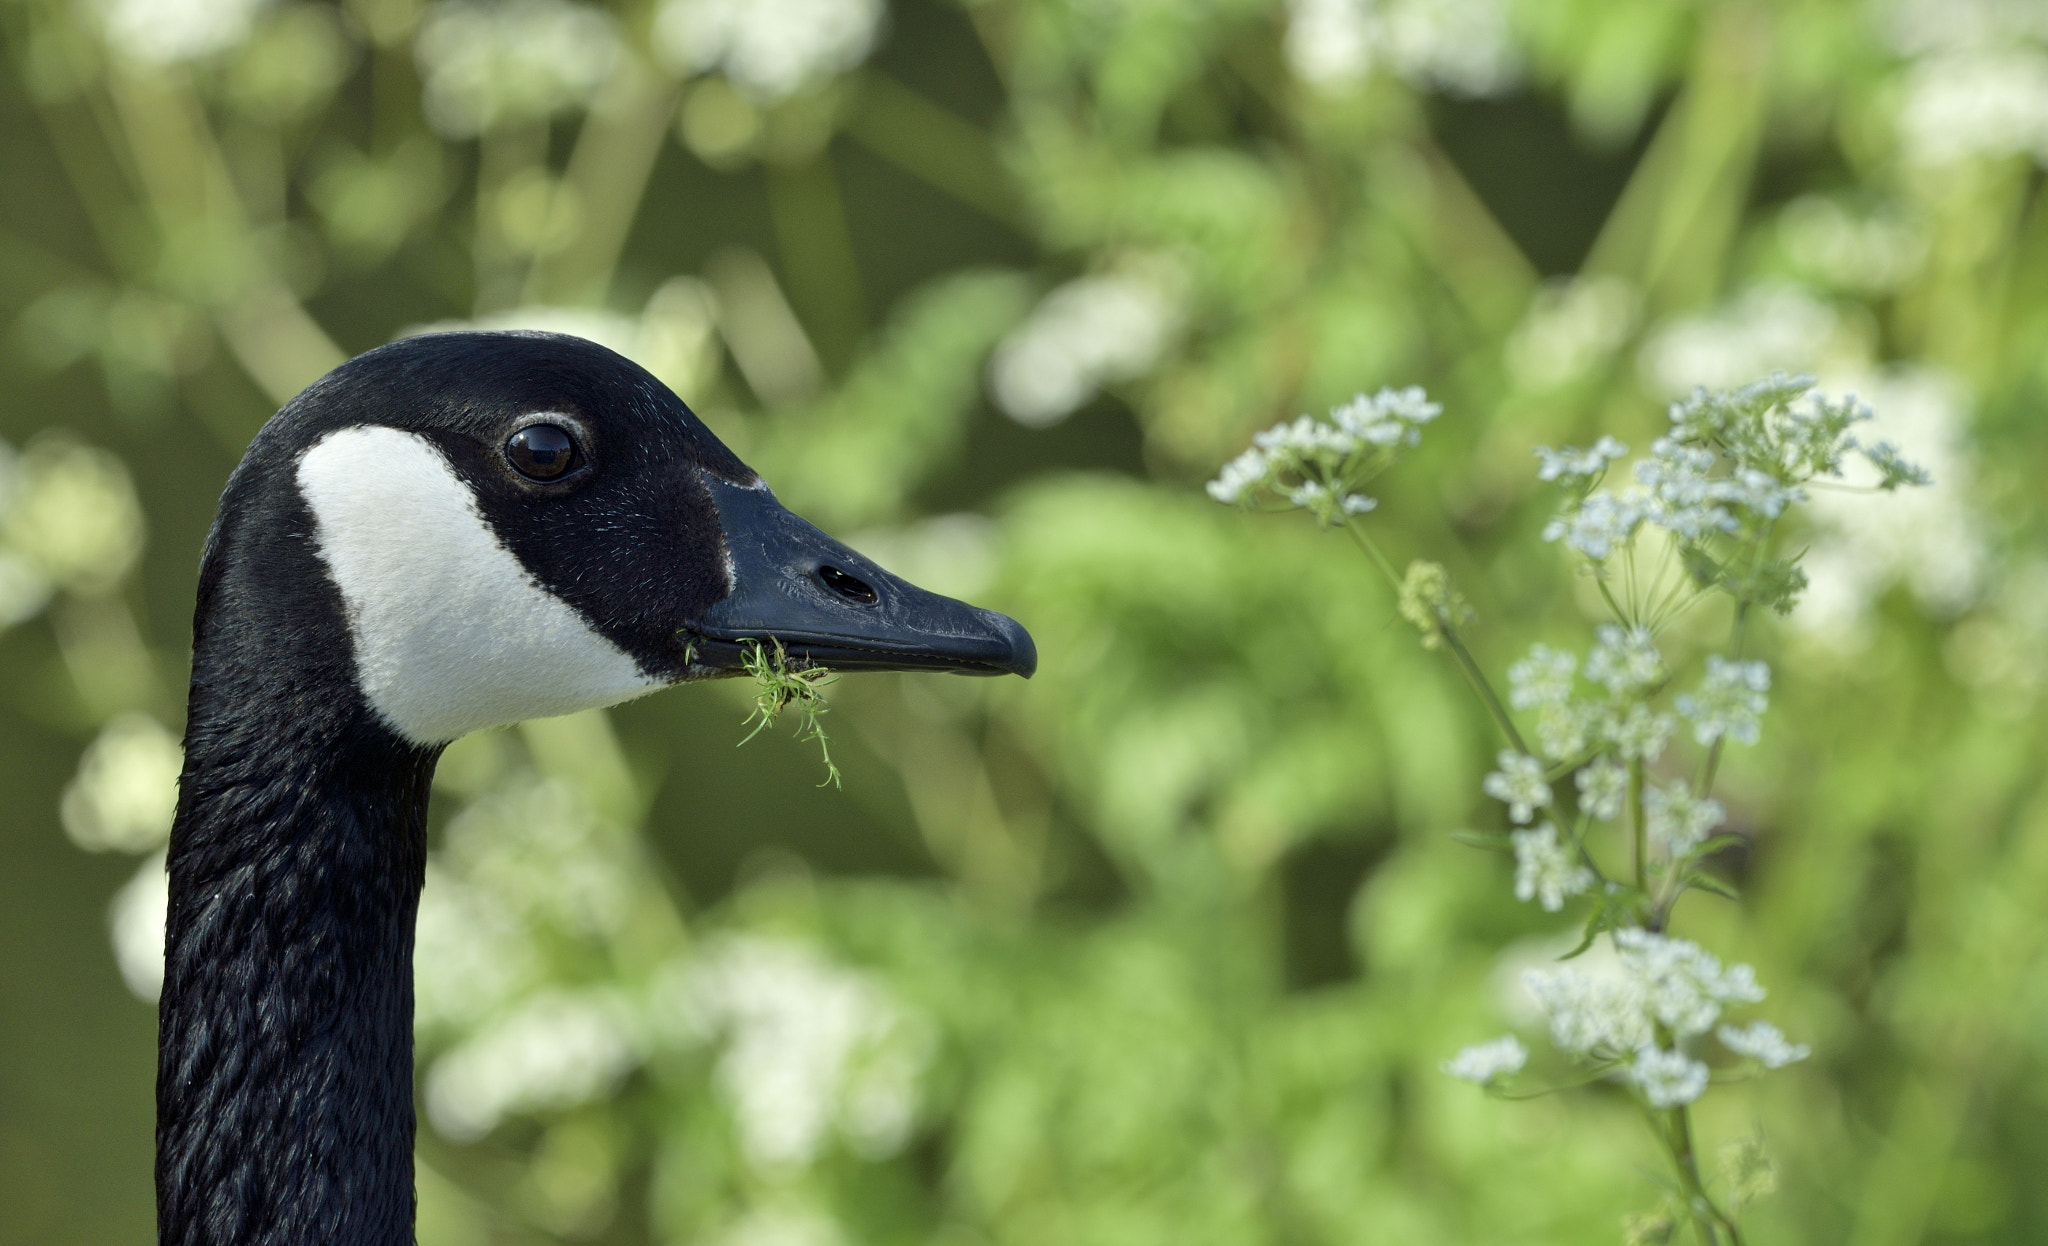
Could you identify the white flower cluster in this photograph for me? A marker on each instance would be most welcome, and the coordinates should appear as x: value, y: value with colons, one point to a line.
x: 1519, y: 784
x: 1464, y: 47
x: 1603, y: 786
x: 1547, y: 870
x: 1678, y: 821
x: 520, y: 60
x: 1762, y: 1042
x: 1578, y: 463
x: 68, y: 519
x: 810, y: 1048
x: 1091, y: 332
x: 1317, y: 465
x: 1627, y: 663
x: 1624, y: 660
x: 1776, y: 326
x: 769, y: 49
x: 1483, y: 1062
x: 1729, y: 455
x: 1729, y: 703
x: 168, y: 32
x: 1657, y: 986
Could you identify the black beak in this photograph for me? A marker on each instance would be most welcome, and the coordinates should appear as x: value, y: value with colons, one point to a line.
x: 831, y: 607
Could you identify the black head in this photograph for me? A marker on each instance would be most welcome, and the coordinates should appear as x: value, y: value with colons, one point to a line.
x: 522, y: 524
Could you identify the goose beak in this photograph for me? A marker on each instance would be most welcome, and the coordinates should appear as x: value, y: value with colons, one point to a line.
x: 831, y: 607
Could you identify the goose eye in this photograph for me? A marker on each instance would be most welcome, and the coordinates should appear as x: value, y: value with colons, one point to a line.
x: 541, y: 452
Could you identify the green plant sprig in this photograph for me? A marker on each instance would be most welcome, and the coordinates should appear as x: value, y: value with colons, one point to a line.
x: 778, y: 686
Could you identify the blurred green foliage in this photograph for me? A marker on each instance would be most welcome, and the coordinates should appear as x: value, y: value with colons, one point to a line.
x: 1167, y: 944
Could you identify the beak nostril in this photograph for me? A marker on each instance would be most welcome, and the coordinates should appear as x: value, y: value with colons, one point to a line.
x: 847, y: 586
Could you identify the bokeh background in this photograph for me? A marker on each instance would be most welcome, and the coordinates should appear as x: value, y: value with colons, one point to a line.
x: 1166, y: 945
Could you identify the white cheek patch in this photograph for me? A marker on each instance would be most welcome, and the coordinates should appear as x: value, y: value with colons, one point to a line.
x: 451, y: 632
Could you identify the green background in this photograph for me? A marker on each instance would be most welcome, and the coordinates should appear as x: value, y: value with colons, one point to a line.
x: 1167, y: 944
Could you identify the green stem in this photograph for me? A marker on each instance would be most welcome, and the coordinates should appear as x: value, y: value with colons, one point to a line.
x: 1477, y: 678
x: 1467, y: 666
x: 1707, y: 1218
x: 1639, y: 826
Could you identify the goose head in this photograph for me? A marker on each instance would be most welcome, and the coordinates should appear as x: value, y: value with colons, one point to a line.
x: 520, y: 525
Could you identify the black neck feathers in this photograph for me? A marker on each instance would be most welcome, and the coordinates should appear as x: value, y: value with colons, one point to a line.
x: 284, y: 1085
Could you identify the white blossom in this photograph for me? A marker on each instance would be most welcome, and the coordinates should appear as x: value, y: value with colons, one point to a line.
x: 1563, y: 730
x: 769, y: 49
x: 1245, y: 472
x: 1934, y: 541
x: 1595, y: 1015
x: 1762, y: 1042
x: 1518, y: 784
x: 136, y: 918
x: 556, y: 1050
x: 520, y: 60
x: 1542, y: 679
x: 1684, y: 987
x: 1979, y: 103
x: 1483, y: 1062
x: 810, y: 1048
x: 1774, y: 327
x: 1678, y: 821
x: 1603, y: 786
x: 1464, y: 47
x: 1599, y: 525
x: 167, y: 32
x: 1668, y: 1079
x: 1729, y: 702
x: 1578, y: 463
x: 1545, y: 870
x: 1624, y: 659
x: 1389, y: 417
x: 1091, y: 332
x: 1639, y: 734
x: 126, y: 789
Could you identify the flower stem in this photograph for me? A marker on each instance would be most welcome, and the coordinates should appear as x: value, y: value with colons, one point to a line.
x: 1707, y: 1218
x: 1639, y: 826
x: 1467, y: 666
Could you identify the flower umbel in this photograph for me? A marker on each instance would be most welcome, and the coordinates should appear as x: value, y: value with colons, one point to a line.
x: 1545, y: 870
x: 1322, y: 466
x: 1519, y: 784
x: 1488, y: 1062
x: 1729, y: 703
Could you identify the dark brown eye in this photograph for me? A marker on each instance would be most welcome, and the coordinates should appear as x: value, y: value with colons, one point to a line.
x: 541, y: 452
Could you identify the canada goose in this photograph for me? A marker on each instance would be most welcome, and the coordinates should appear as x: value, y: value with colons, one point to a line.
x: 450, y: 532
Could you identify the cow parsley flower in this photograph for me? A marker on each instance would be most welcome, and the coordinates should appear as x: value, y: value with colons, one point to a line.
x: 1518, y: 784
x: 770, y: 49
x: 1683, y: 986
x: 1484, y: 1062
x: 1602, y: 788
x: 1545, y: 870
x: 1601, y: 524
x: 1729, y: 703
x: 1625, y: 659
x: 1640, y: 734
x: 1574, y: 464
x: 1762, y: 1042
x: 1677, y: 820
x: 1543, y: 679
x: 1592, y: 1015
x: 1318, y: 465
x: 1668, y: 1079
x: 1240, y: 475
x: 1893, y: 470
x: 1390, y: 417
